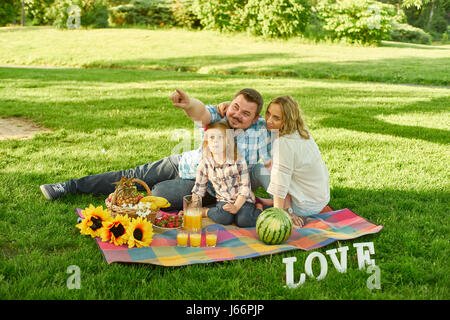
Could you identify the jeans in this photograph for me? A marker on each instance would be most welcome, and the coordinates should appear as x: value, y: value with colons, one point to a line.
x: 161, y: 176
x: 244, y: 218
x: 151, y: 173
x: 260, y: 177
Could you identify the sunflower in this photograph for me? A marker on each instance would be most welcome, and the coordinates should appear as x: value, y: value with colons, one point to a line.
x: 94, y: 219
x: 140, y: 233
x: 115, y: 231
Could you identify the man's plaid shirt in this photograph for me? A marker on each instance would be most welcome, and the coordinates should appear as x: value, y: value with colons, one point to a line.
x: 229, y: 180
x: 253, y: 144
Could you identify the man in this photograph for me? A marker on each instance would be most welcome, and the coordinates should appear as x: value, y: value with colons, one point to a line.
x: 173, y: 177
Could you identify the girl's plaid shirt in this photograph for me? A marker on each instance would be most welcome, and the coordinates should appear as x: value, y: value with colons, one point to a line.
x: 228, y: 180
x: 254, y: 144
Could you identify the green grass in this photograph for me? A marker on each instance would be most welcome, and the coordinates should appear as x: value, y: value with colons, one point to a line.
x: 215, y: 53
x: 386, y: 147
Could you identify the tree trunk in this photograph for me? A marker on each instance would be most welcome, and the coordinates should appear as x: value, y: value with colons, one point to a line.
x: 430, y: 18
x: 22, y: 15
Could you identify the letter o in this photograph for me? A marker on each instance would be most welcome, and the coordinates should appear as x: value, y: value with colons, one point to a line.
x: 323, y: 265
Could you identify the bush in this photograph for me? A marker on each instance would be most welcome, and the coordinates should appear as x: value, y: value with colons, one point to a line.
x: 268, y: 18
x: 362, y: 21
x: 94, y: 13
x: 277, y: 18
x: 142, y: 12
x: 9, y: 12
x: 402, y: 32
x: 37, y: 11
x: 184, y: 14
x: 315, y: 30
x: 444, y: 39
x: 223, y: 15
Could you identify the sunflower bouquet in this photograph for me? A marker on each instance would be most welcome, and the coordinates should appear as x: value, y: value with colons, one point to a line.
x: 118, y: 230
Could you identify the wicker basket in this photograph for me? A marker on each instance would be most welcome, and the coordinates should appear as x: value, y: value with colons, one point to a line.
x: 131, y: 212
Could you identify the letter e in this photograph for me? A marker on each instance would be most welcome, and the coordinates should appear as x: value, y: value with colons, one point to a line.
x: 364, y: 255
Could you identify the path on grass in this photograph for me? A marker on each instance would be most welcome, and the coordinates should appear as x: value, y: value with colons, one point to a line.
x: 131, y: 68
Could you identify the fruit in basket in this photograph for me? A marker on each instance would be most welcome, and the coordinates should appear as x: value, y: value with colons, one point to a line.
x: 274, y: 226
x: 126, y: 192
x: 159, y: 202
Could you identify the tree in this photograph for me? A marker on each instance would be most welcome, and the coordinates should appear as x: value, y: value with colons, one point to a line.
x: 430, y: 15
x: 407, y: 3
x: 36, y: 10
x: 414, y: 3
x: 9, y: 11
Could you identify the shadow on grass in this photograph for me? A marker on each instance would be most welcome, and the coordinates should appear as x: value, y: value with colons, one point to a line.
x: 421, y: 71
x: 393, y: 44
x: 364, y: 120
x: 414, y: 70
x: 84, y: 109
x: 190, y: 63
x: 97, y: 75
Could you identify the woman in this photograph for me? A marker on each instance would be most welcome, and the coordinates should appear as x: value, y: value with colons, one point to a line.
x: 297, y: 167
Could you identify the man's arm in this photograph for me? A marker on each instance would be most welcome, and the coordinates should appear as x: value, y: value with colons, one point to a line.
x: 193, y: 108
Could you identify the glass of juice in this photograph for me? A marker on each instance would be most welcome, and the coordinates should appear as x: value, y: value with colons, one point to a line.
x: 192, y: 208
x: 196, y: 238
x: 211, y: 236
x: 182, y: 238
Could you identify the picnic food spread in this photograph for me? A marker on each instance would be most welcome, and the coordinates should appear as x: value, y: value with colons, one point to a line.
x: 239, y: 243
x: 130, y: 219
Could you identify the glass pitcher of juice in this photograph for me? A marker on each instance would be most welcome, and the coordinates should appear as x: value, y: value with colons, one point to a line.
x: 192, y: 207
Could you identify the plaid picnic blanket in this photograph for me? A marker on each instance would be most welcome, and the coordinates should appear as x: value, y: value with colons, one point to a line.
x: 241, y: 243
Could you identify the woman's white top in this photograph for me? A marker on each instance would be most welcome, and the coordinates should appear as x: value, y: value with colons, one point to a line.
x: 298, y: 169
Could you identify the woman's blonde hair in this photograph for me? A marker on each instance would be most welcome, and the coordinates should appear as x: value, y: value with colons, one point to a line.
x: 230, y: 144
x: 292, y: 118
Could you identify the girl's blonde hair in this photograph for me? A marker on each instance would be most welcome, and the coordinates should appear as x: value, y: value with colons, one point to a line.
x: 230, y: 144
x: 292, y: 118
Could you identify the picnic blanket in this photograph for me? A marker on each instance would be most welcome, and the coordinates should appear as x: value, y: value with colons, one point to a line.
x: 241, y: 243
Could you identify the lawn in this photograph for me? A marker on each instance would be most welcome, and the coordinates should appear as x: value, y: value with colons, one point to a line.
x: 386, y: 146
x: 209, y: 52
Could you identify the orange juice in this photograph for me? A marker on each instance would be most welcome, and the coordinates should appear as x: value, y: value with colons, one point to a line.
x: 182, y: 239
x: 193, y: 220
x: 211, y: 240
x: 186, y: 222
x: 196, y: 238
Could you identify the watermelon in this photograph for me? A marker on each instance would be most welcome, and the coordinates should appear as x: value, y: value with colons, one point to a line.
x: 274, y: 226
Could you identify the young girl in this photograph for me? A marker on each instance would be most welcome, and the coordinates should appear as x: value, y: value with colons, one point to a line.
x: 228, y: 174
x: 297, y: 168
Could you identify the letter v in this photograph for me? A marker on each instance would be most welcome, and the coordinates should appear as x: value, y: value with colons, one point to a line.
x: 342, y: 266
